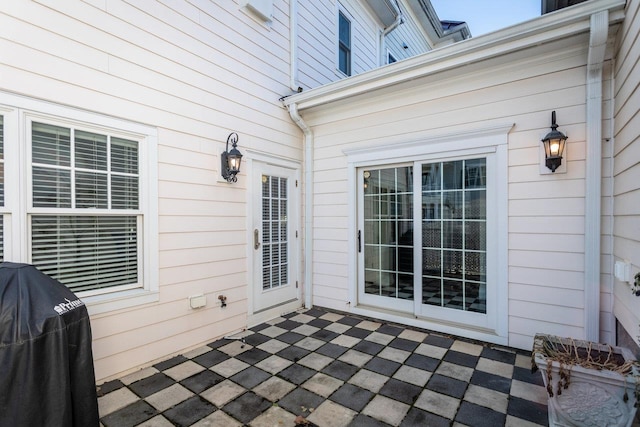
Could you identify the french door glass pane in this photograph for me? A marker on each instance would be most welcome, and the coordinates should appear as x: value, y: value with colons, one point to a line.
x: 388, y: 232
x: 454, y: 234
x: 275, y: 257
x: 86, y: 252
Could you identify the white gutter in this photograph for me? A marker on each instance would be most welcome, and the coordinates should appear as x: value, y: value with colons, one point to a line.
x: 593, y: 198
x: 293, y: 45
x: 308, y: 204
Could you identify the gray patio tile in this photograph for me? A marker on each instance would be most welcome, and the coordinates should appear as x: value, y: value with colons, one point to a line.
x: 217, y: 419
x: 388, y: 410
x: 519, y: 422
x: 234, y: 348
x: 495, y: 367
x: 452, y: 370
x: 486, y: 397
x: 479, y: 416
x: 229, y: 367
x: 330, y: 414
x: 296, y: 374
x: 440, y: 404
x: 394, y: 354
x: 183, y: 370
x: 202, y: 381
x: 431, y: 351
x: 189, y: 411
x: 250, y: 377
x: 301, y: 402
x: 466, y: 347
x: 345, y: 341
x: 412, y: 335
x: 305, y: 330
x: 315, y: 361
x: 418, y: 417
x: 369, y: 325
x: 273, y: 364
x: 528, y: 391
x: 338, y: 328
x: 115, y: 400
x: 302, y: 318
x: 412, y: 375
x: 400, y: 390
x: 157, y: 421
x: 274, y: 416
x: 369, y: 380
x: 322, y: 384
x: 273, y: 346
x: 310, y: 344
x: 197, y: 352
x: 138, y: 375
x: 274, y: 389
x: 247, y: 407
x: 380, y: 338
x: 352, y: 397
x: 168, y: 397
x: 355, y: 358
x: 221, y: 394
x: 131, y: 415
x: 273, y: 331
x: 331, y: 317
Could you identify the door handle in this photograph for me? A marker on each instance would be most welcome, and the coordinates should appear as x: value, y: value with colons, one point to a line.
x: 256, y: 239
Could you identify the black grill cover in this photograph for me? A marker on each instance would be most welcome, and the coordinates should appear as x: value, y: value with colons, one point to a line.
x: 46, y: 363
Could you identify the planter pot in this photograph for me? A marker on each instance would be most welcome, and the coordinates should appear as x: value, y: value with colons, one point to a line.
x: 593, y: 397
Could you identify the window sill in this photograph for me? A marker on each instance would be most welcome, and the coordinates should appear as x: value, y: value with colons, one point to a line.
x: 98, y: 304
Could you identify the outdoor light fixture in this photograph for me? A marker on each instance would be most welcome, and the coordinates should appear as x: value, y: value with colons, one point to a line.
x: 231, y: 159
x: 554, y: 143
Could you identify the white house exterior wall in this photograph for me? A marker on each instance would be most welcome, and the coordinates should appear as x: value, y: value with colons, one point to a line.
x: 626, y: 168
x: 545, y: 212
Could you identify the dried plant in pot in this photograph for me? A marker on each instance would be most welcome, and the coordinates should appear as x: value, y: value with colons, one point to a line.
x: 589, y: 384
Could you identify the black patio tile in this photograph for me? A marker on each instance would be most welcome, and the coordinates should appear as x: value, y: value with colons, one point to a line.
x: 499, y: 355
x: 319, y: 323
x: 400, y: 390
x: 201, y: 381
x: 315, y: 312
x: 256, y: 339
x: 290, y: 315
x: 289, y: 324
x: 491, y: 381
x: 479, y: 416
x: 389, y: 330
x: 130, y: 415
x: 460, y: 358
x: 250, y: 377
x: 147, y: 386
x: 253, y: 356
x: 365, y: 421
x: 525, y: 375
x: 247, y: 407
x: 417, y: 417
x: 324, y: 335
x: 340, y: 370
x: 170, y: 363
x: 382, y: 366
x: 218, y: 343
x: 528, y: 410
x: 438, y: 340
x: 211, y: 358
x: 190, y: 411
x: 293, y: 353
x: 108, y: 387
x: 403, y: 344
x: 357, y: 332
x: 296, y: 374
x: 350, y: 321
x: 368, y: 347
x: 352, y: 397
x: 290, y: 337
x: 260, y: 327
x: 423, y: 362
x: 332, y: 350
x: 446, y: 385
x: 301, y: 402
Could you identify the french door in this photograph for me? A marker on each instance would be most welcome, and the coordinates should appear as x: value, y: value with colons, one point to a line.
x: 422, y: 242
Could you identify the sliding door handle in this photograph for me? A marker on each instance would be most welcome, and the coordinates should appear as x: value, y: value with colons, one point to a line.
x: 256, y: 239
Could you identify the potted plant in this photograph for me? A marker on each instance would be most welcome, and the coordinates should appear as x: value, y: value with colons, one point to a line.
x: 589, y: 384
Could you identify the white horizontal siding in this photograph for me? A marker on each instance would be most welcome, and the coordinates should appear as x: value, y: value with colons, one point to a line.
x: 626, y: 184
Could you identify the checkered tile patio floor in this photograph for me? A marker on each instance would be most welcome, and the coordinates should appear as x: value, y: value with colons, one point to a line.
x: 323, y: 368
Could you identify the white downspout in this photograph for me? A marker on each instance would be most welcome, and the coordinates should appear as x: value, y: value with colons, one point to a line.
x: 293, y: 45
x: 308, y: 204
x: 593, y: 196
x: 383, y: 35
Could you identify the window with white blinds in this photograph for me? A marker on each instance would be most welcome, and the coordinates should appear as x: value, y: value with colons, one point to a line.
x: 85, y: 223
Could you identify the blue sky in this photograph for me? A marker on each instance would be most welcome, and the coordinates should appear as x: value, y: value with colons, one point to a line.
x: 484, y: 16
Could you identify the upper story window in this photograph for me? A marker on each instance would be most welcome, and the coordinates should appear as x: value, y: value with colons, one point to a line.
x: 390, y: 58
x: 344, y: 44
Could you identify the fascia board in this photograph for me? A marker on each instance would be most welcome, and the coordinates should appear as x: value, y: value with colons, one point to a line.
x: 542, y: 30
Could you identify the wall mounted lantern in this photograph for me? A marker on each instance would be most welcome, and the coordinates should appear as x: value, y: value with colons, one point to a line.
x: 554, y: 143
x: 231, y: 159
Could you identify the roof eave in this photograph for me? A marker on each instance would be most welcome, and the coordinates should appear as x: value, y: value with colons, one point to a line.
x: 547, y: 28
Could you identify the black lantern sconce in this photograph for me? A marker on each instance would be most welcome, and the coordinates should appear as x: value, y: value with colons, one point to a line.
x: 554, y: 143
x: 230, y: 160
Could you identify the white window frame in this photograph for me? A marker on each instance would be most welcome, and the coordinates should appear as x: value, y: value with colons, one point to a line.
x: 342, y: 11
x: 489, y: 142
x: 18, y: 112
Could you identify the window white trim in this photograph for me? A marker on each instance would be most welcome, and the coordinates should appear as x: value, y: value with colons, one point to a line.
x: 18, y: 111
x: 490, y: 142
